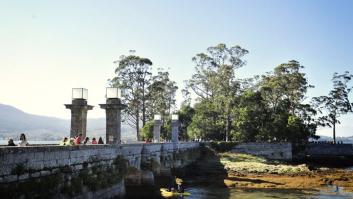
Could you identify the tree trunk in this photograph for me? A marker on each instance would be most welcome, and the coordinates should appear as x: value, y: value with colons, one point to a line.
x: 138, y: 126
x: 334, y: 131
x: 143, y: 106
x: 143, y: 113
x: 228, y: 124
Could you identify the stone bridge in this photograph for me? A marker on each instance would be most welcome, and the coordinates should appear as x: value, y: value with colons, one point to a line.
x: 88, y: 171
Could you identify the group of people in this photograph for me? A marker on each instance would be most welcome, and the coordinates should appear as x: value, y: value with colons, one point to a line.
x: 23, y: 141
x: 77, y: 140
x: 327, y: 142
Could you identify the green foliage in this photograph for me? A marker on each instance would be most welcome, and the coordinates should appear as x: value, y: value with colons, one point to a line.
x: 147, y: 130
x: 161, y: 95
x: 144, y: 94
x: 186, y: 114
x: 133, y: 76
x: 166, y: 129
x: 336, y: 102
x: 269, y: 108
x: 215, y: 85
x: 222, y: 146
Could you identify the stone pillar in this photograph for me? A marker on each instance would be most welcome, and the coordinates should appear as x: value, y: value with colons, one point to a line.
x: 175, y: 131
x: 157, y: 130
x: 79, y: 110
x: 113, y: 109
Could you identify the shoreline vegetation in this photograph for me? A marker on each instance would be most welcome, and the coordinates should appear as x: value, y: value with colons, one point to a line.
x: 249, y: 171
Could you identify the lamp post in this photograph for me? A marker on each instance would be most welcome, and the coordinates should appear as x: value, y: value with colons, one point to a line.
x: 157, y: 128
x: 113, y: 109
x: 175, y: 128
x: 79, y: 110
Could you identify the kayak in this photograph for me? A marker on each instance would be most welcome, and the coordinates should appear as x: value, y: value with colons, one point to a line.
x: 168, y: 194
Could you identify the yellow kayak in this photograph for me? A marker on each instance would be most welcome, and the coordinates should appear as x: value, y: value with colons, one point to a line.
x: 168, y: 194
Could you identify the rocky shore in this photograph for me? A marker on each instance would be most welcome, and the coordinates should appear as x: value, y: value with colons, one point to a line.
x: 248, y: 171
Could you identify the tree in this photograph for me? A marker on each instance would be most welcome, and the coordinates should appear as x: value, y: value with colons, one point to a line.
x: 286, y: 82
x: 206, y: 122
x: 336, y: 103
x: 147, y: 130
x: 214, y: 82
x: 250, y: 124
x: 185, y: 113
x: 161, y: 95
x: 133, y: 76
x: 284, y: 91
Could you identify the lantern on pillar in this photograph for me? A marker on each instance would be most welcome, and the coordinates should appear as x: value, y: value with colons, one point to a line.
x: 79, y: 93
x: 113, y: 93
x: 157, y: 128
x: 79, y: 110
x: 175, y: 128
x: 113, y: 109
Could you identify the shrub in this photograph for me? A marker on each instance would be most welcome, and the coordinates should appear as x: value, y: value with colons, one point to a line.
x: 222, y: 146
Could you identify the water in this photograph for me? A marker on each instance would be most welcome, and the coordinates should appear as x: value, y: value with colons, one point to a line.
x: 209, y: 192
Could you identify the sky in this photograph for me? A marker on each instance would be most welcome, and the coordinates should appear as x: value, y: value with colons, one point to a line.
x: 48, y: 47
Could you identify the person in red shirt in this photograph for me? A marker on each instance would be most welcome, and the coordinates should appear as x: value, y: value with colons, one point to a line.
x: 78, y: 139
x: 94, y: 141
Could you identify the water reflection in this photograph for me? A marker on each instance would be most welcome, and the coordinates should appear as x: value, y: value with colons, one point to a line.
x: 210, y: 192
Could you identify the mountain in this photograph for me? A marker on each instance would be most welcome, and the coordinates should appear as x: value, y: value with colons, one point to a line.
x: 14, y: 121
x: 346, y: 140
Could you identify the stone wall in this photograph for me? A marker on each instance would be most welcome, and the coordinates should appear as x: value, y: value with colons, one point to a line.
x: 85, y: 171
x: 278, y: 151
x: 327, y: 150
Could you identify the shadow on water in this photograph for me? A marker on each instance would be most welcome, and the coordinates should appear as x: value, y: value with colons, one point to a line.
x: 258, y: 181
x: 204, y: 179
x: 206, y: 171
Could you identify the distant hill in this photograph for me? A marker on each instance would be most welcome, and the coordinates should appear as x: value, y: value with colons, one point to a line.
x: 14, y: 121
x: 348, y: 140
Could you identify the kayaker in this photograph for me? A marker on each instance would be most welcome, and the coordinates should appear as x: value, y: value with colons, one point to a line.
x: 179, y: 183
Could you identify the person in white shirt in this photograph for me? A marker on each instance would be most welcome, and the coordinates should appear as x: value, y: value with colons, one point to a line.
x: 23, y: 141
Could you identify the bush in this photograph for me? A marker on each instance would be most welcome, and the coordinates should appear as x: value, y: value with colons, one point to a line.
x: 222, y: 146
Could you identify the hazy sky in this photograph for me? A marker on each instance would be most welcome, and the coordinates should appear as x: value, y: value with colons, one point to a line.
x: 49, y: 47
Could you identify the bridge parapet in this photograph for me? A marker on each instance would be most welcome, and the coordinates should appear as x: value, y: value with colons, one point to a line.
x: 67, y: 165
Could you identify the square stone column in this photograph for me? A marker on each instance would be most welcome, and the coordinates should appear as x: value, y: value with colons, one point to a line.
x: 157, y: 130
x: 175, y: 129
x: 79, y: 110
x: 113, y: 109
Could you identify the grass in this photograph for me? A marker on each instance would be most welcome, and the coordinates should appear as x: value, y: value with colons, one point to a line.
x: 245, y: 163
